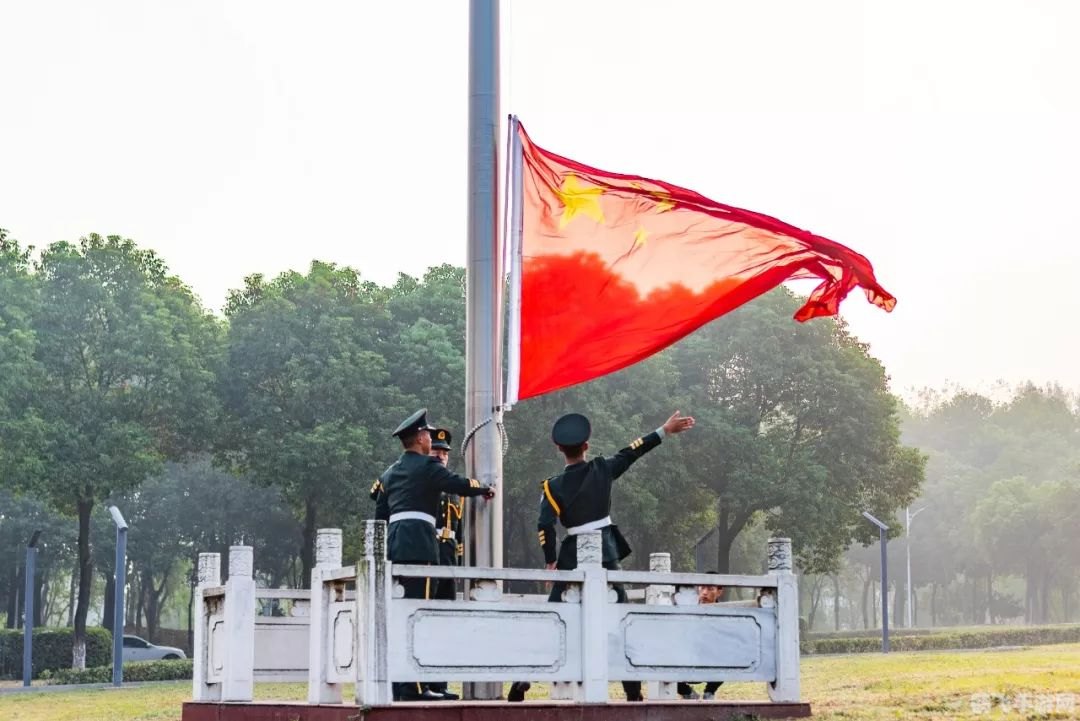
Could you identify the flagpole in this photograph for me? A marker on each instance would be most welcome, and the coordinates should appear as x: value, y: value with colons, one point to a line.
x: 483, y: 313
x: 514, y: 213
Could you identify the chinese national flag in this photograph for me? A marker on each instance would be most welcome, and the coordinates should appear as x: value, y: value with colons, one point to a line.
x: 617, y: 267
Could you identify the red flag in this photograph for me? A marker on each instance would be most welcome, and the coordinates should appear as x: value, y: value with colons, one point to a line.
x: 614, y: 268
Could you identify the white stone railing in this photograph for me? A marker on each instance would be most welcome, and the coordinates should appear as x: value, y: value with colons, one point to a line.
x: 580, y: 645
x: 224, y: 653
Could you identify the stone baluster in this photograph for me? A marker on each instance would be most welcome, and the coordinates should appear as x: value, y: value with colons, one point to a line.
x: 594, y: 610
x: 209, y: 576
x: 372, y: 614
x: 321, y: 633
x: 238, y: 682
x: 786, y: 686
x: 660, y: 595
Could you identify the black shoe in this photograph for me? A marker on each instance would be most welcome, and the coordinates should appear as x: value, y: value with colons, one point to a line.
x: 425, y: 696
x: 449, y: 695
x: 518, y: 690
x: 632, y: 689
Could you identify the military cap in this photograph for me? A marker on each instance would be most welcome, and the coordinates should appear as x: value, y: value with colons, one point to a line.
x: 416, y: 422
x: 573, y: 429
x: 440, y: 438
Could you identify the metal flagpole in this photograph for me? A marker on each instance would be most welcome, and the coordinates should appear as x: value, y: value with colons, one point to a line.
x: 483, y: 314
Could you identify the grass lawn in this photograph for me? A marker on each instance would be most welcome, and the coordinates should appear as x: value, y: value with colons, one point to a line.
x: 924, y: 685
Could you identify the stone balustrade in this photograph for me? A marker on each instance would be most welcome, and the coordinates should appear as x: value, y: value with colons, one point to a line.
x: 333, y: 636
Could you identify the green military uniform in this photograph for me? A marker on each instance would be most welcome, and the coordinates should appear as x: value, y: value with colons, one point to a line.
x: 413, y: 487
x: 451, y: 544
x: 580, y: 498
x: 411, y: 490
x: 448, y: 525
x: 448, y: 536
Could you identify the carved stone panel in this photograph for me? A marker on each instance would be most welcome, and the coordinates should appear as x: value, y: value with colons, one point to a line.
x: 216, y: 652
x: 671, y: 643
x: 480, y: 641
x: 341, y: 615
x: 281, y: 647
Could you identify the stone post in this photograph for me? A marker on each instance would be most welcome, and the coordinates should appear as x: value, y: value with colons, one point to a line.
x: 321, y: 633
x: 238, y: 683
x: 594, y: 610
x: 372, y: 611
x: 660, y: 595
x: 786, y: 686
x: 209, y: 576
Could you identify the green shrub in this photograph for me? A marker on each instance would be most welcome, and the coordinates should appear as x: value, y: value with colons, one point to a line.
x: 947, y: 640
x: 52, y: 649
x: 135, y: 671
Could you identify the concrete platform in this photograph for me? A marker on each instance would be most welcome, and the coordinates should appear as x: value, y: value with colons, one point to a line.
x: 497, y: 711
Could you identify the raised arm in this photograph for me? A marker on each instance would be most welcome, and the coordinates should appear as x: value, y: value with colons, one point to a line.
x: 625, y: 458
x: 448, y: 482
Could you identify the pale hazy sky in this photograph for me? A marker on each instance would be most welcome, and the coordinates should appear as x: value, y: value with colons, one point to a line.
x: 941, y: 138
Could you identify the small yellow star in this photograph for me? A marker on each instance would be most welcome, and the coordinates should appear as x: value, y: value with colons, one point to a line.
x: 640, y: 236
x: 663, y: 201
x: 662, y: 198
x: 576, y: 198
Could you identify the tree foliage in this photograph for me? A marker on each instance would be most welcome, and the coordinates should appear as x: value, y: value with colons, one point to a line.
x: 126, y: 355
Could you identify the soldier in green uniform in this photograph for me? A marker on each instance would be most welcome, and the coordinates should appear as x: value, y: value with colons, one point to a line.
x: 413, y: 487
x: 580, y: 498
x: 448, y: 534
x: 448, y: 522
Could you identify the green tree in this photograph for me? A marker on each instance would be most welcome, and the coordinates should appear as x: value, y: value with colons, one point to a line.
x: 304, y: 384
x: 127, y: 356
x: 19, y: 518
x: 21, y: 438
x: 795, y: 421
x: 425, y: 345
x: 988, y: 465
x: 190, y: 508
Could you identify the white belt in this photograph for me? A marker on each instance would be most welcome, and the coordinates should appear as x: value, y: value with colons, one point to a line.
x: 446, y: 534
x: 590, y: 526
x: 412, y: 516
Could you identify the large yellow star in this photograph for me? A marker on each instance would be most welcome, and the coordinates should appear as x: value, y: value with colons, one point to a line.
x: 576, y: 198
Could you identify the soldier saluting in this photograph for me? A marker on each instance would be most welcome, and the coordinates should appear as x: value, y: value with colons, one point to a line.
x: 411, y: 489
x: 580, y: 498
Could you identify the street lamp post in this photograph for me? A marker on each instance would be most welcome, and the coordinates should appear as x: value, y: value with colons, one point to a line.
x: 28, y: 609
x: 118, y: 597
x: 883, y: 537
x: 908, y: 518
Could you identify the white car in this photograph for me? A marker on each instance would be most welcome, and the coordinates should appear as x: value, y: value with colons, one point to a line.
x: 137, y: 649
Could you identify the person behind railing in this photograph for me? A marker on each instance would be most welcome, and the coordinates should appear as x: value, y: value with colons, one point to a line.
x: 579, y: 497
x: 413, y: 486
x: 448, y: 535
x: 706, y: 595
